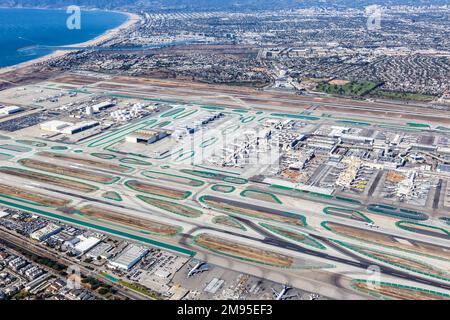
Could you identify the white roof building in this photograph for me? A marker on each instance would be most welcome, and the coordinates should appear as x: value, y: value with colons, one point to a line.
x: 10, y: 110
x: 102, y: 250
x: 81, y: 244
x: 46, y: 232
x: 3, y: 214
x: 54, y: 125
x: 79, y: 127
x: 131, y: 255
x: 102, y: 105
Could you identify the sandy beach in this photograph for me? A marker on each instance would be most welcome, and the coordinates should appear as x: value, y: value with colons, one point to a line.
x: 132, y: 19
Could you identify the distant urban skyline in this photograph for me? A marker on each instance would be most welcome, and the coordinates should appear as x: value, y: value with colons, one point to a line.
x: 236, y: 5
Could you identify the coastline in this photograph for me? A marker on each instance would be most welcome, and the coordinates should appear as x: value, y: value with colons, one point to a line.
x: 132, y: 20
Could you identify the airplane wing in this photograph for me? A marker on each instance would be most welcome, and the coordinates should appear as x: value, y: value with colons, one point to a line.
x: 274, y: 292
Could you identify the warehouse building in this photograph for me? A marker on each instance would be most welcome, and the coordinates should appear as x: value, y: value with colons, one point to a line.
x: 79, y: 127
x: 443, y: 168
x: 46, y: 232
x: 58, y: 126
x: 131, y: 255
x: 146, y: 136
x: 54, y: 125
x: 9, y: 110
x: 82, y: 244
x: 102, y: 106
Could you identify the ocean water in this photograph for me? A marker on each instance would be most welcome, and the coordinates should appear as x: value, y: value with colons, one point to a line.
x: 23, y: 29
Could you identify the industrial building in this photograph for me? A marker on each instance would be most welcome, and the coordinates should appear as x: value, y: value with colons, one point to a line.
x: 102, y: 250
x: 82, y: 244
x: 131, y: 255
x: 79, y: 127
x: 146, y: 136
x: 102, y: 106
x: 443, y: 168
x: 54, y: 125
x: 45, y: 232
x: 7, y: 110
x: 58, y: 126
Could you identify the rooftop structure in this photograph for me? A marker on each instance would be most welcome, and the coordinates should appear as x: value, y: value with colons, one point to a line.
x: 102, y: 250
x: 131, y: 255
x: 443, y: 168
x: 55, y: 125
x: 46, y: 232
x: 102, y: 105
x: 10, y: 110
x: 81, y: 244
x: 146, y: 136
x: 79, y: 127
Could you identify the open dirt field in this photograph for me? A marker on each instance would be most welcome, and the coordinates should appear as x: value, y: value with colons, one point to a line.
x: 243, y: 251
x: 396, y: 292
x: 215, y: 176
x: 32, y: 196
x: 43, y: 178
x: 172, y: 178
x: 131, y: 221
x: 253, y: 211
x: 112, y: 195
x: 270, y: 100
x: 227, y: 221
x: 393, y: 176
x: 76, y: 79
x: 223, y: 188
x: 346, y: 213
x: 386, y: 240
x: 290, y: 234
x: 68, y: 171
x: 157, y: 190
x: 84, y: 161
x: 426, y: 230
x: 172, y: 207
x: 402, y: 262
x: 260, y: 195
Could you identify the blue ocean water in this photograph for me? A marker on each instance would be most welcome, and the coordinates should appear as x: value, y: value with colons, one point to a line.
x: 21, y: 29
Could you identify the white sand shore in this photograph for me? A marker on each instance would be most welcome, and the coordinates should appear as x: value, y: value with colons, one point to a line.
x: 132, y: 19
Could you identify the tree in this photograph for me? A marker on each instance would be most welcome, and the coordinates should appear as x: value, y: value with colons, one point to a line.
x: 103, y: 291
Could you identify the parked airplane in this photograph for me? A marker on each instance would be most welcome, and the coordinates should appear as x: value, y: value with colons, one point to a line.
x: 198, y: 268
x: 204, y: 205
x: 282, y: 295
x: 371, y: 225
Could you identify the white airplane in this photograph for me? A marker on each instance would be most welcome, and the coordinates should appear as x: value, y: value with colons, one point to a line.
x: 313, y: 296
x: 204, y: 205
x: 282, y: 295
x: 198, y: 268
x: 371, y: 225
